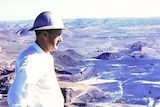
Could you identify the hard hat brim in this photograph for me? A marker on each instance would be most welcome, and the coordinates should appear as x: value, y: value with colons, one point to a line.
x: 46, y: 28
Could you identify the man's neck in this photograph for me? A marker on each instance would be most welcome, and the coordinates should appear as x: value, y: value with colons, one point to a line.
x: 42, y: 46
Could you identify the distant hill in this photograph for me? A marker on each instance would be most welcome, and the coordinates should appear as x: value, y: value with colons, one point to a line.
x: 85, y: 25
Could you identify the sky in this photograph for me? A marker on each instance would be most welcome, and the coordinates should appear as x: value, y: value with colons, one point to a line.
x: 29, y: 9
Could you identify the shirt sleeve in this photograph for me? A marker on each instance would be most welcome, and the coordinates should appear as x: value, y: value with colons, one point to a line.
x: 26, y: 77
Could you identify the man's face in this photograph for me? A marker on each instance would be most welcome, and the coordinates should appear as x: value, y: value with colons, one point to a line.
x: 53, y: 39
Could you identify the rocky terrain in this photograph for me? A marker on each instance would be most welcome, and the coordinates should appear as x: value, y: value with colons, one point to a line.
x: 101, y: 63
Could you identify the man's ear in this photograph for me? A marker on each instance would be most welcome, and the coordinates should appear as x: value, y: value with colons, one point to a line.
x: 45, y: 34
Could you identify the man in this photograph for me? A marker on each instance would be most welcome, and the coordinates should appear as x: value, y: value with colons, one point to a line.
x: 35, y: 83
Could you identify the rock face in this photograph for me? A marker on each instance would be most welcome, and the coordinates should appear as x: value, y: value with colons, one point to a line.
x: 22, y: 32
x: 67, y: 58
x: 108, y: 56
x: 75, y: 94
x: 81, y: 95
x: 133, y: 50
x: 5, y: 79
x: 84, y: 74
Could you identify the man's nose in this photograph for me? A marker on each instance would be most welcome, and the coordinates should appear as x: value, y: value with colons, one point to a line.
x: 60, y: 39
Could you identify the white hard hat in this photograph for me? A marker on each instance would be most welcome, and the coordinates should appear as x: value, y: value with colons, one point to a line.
x: 47, y: 20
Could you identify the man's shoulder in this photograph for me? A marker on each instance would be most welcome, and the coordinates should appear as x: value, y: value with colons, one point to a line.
x: 27, y: 52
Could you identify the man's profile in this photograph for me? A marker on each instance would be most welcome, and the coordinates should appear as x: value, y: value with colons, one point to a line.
x: 35, y: 83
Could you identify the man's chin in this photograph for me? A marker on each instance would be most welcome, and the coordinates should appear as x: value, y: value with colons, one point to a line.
x: 55, y: 48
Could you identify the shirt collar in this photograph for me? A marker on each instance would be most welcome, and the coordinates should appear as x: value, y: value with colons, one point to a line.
x: 37, y: 47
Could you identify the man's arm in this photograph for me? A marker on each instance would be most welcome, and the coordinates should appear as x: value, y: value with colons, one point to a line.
x: 25, y: 79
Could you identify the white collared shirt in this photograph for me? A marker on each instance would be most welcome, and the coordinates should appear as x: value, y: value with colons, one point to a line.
x: 35, y: 83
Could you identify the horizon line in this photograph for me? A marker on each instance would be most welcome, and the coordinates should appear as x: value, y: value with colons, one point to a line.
x: 152, y: 17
